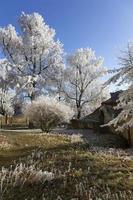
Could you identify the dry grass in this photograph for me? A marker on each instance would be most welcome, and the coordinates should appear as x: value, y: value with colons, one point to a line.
x: 79, y: 172
x: 21, y: 144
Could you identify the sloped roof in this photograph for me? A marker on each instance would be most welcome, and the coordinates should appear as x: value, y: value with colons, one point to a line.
x: 113, y: 99
x: 94, y: 116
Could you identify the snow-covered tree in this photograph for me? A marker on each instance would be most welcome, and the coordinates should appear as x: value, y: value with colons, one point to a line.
x: 7, y: 77
x: 47, y: 112
x: 124, y: 75
x: 6, y: 103
x: 34, y: 54
x: 6, y: 95
x: 83, y: 87
x: 54, y: 86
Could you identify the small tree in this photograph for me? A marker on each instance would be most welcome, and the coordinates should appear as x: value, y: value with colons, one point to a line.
x: 46, y: 113
x: 82, y: 86
x: 6, y: 94
x: 6, y: 105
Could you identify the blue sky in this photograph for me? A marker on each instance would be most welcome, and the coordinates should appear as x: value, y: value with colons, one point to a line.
x: 104, y: 25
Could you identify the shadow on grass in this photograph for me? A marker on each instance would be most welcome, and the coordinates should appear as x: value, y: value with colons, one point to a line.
x: 8, y: 157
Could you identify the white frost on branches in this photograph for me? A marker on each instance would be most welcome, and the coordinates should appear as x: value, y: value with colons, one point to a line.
x: 34, y: 55
x: 6, y: 96
x: 124, y: 120
x: 83, y: 86
x: 48, y: 112
x: 6, y: 103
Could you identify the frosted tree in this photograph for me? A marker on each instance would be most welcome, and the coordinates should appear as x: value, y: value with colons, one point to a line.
x: 124, y: 75
x: 6, y: 96
x: 34, y: 54
x: 83, y: 87
x: 54, y: 86
x: 6, y: 104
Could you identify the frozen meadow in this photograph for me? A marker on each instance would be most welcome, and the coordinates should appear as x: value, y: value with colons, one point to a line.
x: 54, y: 166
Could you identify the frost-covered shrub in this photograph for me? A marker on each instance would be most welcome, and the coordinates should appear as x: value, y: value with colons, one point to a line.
x: 46, y: 113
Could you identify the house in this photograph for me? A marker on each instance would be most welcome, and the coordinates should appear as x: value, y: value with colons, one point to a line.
x: 103, y: 115
x: 107, y: 111
x: 100, y: 116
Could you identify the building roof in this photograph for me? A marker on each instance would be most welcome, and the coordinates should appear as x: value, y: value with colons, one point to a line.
x: 94, y: 116
x: 114, y: 98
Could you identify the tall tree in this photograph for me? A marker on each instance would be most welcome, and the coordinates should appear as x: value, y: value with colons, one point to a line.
x: 82, y: 86
x: 34, y: 55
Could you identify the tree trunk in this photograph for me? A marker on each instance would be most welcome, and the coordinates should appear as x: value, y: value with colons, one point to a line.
x: 31, y: 125
x: 32, y: 98
x: 1, y: 122
x: 129, y: 136
x: 78, y: 113
x: 6, y: 119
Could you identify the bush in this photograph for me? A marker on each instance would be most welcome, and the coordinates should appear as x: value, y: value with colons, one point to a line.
x: 46, y: 113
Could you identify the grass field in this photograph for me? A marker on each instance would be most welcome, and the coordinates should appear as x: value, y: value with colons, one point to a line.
x: 58, y: 167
